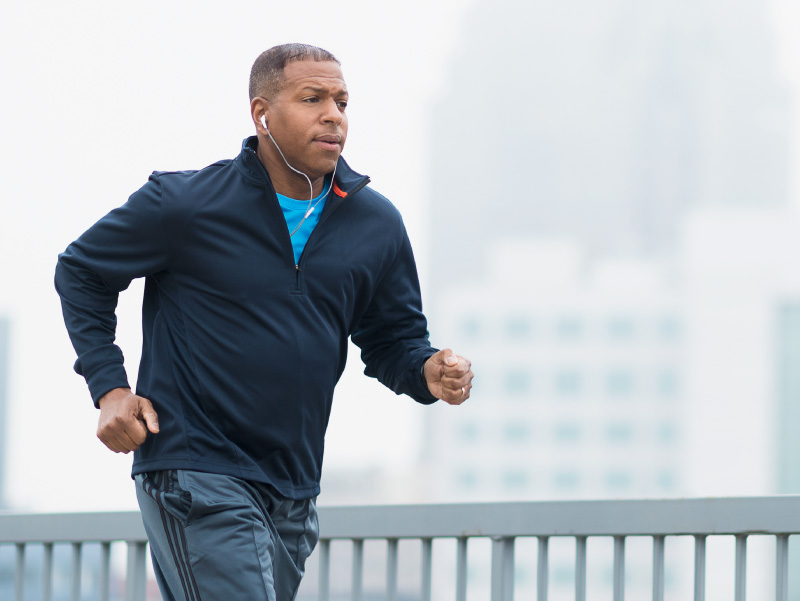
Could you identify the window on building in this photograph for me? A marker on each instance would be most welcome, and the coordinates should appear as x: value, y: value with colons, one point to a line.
x: 619, y: 432
x: 666, y: 480
x: 567, y: 432
x: 621, y: 328
x: 620, y: 383
x: 668, y: 328
x: 569, y: 383
x: 667, y: 383
x: 469, y: 432
x: 667, y: 432
x: 517, y: 382
x: 515, y: 479
x: 518, y: 327
x: 618, y: 480
x: 517, y: 431
x: 471, y: 327
x: 569, y: 328
x: 787, y: 359
x: 563, y: 574
x: 467, y: 480
x: 565, y: 480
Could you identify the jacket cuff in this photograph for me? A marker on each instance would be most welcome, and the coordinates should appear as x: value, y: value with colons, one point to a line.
x: 419, y: 386
x: 106, y: 378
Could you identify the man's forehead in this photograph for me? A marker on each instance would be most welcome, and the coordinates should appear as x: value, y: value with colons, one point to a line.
x: 311, y: 72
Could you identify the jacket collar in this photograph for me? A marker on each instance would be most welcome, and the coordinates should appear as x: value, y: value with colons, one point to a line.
x: 347, y: 180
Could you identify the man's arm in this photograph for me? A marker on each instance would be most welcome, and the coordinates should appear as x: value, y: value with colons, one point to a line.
x: 393, y: 337
x: 127, y: 243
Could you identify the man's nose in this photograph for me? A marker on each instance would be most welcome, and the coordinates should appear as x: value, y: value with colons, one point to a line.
x: 331, y: 112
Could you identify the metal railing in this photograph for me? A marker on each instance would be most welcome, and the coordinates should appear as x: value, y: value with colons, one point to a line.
x: 503, y: 523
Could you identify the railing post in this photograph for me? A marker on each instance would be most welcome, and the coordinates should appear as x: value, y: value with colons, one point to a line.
x: 619, y: 568
x: 391, y: 569
x: 502, y: 569
x: 427, y: 569
x: 740, y: 590
x: 324, y: 570
x: 358, y: 570
x: 105, y: 572
x: 658, y: 568
x: 461, y: 570
x: 580, y: 568
x: 542, y: 569
x: 699, y: 567
x: 136, y: 574
x: 77, y: 552
x: 782, y: 564
x: 19, y: 572
x: 47, y: 573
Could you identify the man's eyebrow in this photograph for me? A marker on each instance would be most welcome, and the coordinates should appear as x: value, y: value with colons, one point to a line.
x: 324, y: 90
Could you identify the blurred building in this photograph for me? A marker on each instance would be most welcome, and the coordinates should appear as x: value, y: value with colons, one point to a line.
x: 581, y: 380
x: 624, y: 378
x: 603, y: 123
x: 580, y: 391
x: 4, y: 376
x: 612, y: 180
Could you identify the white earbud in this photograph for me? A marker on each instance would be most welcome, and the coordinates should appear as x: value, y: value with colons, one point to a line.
x: 264, y: 121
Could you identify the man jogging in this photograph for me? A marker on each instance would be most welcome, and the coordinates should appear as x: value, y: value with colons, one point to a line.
x: 257, y: 269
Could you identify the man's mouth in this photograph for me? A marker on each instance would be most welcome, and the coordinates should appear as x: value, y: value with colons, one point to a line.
x: 329, y: 141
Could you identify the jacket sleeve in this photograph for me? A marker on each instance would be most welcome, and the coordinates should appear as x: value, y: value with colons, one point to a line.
x: 127, y: 243
x: 393, y: 332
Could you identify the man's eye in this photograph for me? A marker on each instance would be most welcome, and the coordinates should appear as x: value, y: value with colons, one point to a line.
x: 342, y: 104
x: 311, y: 99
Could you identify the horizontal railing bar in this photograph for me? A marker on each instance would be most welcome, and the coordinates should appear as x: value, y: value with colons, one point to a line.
x: 710, y: 516
x: 748, y: 515
x: 71, y: 527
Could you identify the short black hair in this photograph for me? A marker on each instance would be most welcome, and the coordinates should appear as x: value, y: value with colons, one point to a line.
x: 266, y: 76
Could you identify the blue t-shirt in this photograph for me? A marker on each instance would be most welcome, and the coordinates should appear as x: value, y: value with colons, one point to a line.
x: 293, y: 211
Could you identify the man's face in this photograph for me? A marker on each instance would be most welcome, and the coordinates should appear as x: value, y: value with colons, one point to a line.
x: 307, y: 118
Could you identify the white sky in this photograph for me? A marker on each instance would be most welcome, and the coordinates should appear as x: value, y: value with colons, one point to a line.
x: 97, y: 94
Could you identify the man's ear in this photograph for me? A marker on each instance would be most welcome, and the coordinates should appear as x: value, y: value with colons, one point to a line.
x: 259, y: 108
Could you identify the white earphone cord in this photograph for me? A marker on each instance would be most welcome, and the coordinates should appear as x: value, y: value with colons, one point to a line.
x: 310, y: 187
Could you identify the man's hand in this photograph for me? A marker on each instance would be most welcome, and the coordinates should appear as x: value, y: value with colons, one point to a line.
x: 449, y: 377
x: 124, y: 420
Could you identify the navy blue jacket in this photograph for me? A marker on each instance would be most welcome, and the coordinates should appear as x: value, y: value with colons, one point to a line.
x: 241, y: 347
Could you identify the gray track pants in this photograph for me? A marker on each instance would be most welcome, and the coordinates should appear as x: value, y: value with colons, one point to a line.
x: 219, y: 538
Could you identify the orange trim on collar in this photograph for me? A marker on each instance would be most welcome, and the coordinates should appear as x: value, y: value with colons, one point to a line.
x: 338, y: 191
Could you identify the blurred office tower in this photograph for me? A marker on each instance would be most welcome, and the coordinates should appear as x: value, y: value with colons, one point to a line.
x: 629, y: 378
x: 4, y: 374
x: 612, y: 179
x: 578, y: 365
x: 603, y: 122
x: 580, y: 391
x: 605, y: 127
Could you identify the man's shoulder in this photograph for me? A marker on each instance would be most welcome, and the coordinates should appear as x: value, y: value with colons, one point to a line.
x: 369, y: 199
x: 190, y: 175
x: 179, y: 187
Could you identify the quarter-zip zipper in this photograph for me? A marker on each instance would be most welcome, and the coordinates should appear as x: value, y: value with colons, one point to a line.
x: 297, y: 269
x: 325, y: 215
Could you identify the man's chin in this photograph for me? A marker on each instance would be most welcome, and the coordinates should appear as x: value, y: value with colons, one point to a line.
x: 325, y: 168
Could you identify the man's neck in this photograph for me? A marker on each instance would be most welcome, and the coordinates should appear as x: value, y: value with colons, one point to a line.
x: 284, y: 180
